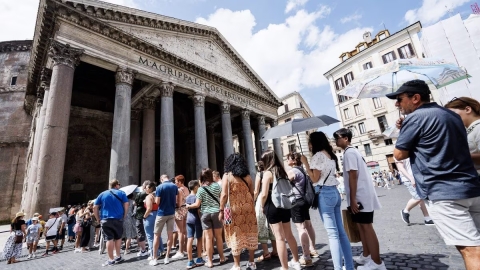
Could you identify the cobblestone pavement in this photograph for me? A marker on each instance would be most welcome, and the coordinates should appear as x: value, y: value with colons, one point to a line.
x: 402, y: 247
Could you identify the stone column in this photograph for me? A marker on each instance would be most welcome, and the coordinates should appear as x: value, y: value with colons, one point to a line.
x: 212, y: 155
x: 120, y: 154
x: 48, y: 188
x: 226, y: 130
x: 201, y: 151
x: 31, y: 177
x: 134, y: 177
x: 247, y: 136
x: 241, y: 144
x: 167, y: 140
x: 148, y: 140
x: 261, y: 132
x: 276, y: 144
x: 258, y: 146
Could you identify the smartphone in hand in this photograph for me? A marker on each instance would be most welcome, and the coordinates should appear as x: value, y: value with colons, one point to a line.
x: 359, y: 205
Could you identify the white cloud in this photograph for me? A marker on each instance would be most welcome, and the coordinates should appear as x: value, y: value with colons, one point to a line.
x: 353, y: 17
x: 18, y: 18
x: 432, y: 10
x: 292, y: 4
x: 291, y: 55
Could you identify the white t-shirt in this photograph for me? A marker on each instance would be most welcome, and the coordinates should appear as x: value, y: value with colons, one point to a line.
x: 321, y: 162
x: 473, y: 137
x: 53, y: 224
x: 353, y: 161
x: 408, y: 168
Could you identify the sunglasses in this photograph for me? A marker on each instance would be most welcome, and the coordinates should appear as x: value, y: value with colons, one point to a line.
x: 455, y: 98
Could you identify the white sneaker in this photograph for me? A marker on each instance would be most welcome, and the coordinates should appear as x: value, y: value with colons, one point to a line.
x: 294, y: 265
x: 153, y: 262
x: 361, y: 259
x: 149, y: 258
x: 29, y: 256
x: 77, y: 250
x: 251, y: 265
x: 371, y: 265
x: 142, y: 253
x: 166, y: 260
x: 178, y: 256
x: 34, y: 255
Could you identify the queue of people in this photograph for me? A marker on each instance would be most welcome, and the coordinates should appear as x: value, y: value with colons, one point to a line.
x: 234, y: 210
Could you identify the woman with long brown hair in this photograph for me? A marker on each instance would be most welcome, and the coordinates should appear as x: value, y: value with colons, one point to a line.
x: 13, y: 246
x: 278, y: 218
x: 181, y: 217
x: 469, y: 110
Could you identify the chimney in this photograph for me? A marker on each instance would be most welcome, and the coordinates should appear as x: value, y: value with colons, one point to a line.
x: 367, y: 37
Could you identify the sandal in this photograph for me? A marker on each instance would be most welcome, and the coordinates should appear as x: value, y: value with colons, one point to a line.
x: 224, y: 261
x: 208, y: 264
x: 266, y: 257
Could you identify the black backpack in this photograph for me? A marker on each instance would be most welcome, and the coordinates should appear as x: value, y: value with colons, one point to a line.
x: 71, y: 219
x: 310, y: 194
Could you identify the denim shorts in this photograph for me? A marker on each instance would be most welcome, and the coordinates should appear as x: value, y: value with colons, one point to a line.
x: 194, y: 230
x: 412, y: 190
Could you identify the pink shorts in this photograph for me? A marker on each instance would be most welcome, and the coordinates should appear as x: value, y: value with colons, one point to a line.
x: 77, y: 228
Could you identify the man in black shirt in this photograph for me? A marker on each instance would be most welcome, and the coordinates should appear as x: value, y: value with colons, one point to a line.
x: 140, y: 211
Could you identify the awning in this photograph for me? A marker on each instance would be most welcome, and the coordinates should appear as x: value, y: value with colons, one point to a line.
x: 372, y: 164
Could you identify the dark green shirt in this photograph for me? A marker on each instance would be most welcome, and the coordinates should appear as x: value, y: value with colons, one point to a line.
x: 140, y: 205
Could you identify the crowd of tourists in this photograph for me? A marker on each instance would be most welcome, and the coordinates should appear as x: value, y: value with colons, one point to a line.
x: 437, y: 155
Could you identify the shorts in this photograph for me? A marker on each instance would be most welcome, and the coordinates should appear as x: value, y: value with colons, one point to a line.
x: 140, y: 230
x: 341, y: 190
x: 32, y: 239
x: 51, y: 238
x: 112, y: 229
x: 211, y: 221
x: 160, y: 222
x: 363, y: 217
x: 412, y: 190
x: 61, y: 234
x: 300, y: 212
x: 194, y: 230
x: 276, y: 215
x: 457, y: 221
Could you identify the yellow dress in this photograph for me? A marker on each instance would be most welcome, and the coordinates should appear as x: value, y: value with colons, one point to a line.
x: 243, y: 231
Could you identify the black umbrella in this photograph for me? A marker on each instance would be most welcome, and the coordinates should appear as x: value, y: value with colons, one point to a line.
x: 298, y: 125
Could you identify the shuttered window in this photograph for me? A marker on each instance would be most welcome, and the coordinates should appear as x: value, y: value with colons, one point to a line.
x: 406, y: 51
x: 389, y: 57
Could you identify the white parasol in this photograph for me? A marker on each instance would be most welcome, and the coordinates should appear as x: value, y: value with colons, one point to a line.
x: 129, y: 189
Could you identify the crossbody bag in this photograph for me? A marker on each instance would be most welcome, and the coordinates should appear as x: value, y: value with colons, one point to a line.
x: 121, y: 202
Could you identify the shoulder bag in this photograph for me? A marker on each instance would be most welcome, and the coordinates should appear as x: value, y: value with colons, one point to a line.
x: 121, y: 202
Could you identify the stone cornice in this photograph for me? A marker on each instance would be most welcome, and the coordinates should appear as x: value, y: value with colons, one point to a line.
x: 15, y: 88
x: 292, y: 112
x: 16, y: 46
x: 91, y: 18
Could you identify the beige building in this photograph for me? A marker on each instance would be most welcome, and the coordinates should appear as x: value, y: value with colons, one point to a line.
x: 368, y: 118
x: 294, y: 107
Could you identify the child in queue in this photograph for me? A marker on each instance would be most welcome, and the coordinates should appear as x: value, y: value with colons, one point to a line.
x: 194, y: 227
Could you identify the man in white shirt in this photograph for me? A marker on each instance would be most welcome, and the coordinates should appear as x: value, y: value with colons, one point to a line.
x: 63, y: 227
x: 360, y: 193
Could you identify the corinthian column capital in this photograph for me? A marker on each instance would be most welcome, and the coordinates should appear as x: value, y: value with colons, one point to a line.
x: 135, y: 114
x: 198, y: 100
x: 245, y: 115
x: 149, y: 103
x: 261, y: 119
x: 124, y: 75
x: 167, y: 89
x: 63, y: 54
x: 225, y: 108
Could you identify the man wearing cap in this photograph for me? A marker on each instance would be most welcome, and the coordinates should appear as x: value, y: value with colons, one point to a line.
x: 111, y: 208
x: 29, y: 221
x: 435, y: 140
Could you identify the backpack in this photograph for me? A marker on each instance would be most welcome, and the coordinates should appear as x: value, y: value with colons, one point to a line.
x: 71, y: 219
x: 282, y: 193
x: 310, y: 194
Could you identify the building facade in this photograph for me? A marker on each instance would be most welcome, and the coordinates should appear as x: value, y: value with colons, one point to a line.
x: 294, y: 107
x: 114, y: 92
x: 457, y: 41
x: 368, y: 118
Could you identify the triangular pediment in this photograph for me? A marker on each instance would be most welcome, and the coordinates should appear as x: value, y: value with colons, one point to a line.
x: 200, y: 45
x: 199, y: 50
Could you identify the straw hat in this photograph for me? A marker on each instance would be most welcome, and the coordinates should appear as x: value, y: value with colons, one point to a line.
x: 20, y: 214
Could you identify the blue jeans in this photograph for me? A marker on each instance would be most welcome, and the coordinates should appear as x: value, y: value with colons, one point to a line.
x: 329, y: 209
x: 149, y: 224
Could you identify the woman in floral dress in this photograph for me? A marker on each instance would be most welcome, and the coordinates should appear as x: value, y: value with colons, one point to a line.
x: 237, y: 189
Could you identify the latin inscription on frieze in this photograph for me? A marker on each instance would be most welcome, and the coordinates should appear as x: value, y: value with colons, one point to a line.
x: 211, y: 88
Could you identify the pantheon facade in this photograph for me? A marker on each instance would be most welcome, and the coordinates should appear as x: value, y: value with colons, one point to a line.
x: 114, y: 92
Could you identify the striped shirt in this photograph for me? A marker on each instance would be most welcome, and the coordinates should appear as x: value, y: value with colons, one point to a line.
x: 209, y: 205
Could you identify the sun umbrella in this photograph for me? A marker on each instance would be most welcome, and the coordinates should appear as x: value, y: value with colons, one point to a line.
x: 128, y: 189
x: 298, y: 125
x: 379, y: 81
